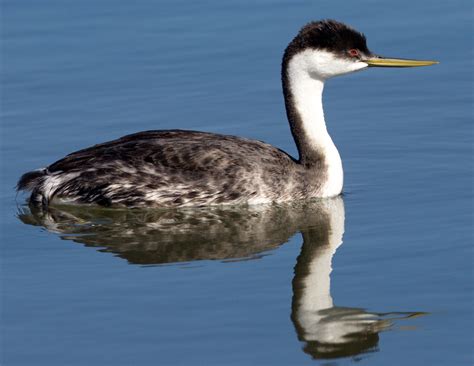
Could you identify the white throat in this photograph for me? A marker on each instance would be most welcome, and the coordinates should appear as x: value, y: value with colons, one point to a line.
x: 306, y: 86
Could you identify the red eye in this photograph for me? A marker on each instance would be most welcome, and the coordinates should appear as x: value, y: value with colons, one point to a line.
x: 353, y: 52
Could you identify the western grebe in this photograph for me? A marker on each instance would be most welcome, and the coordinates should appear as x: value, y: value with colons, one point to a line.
x: 176, y: 168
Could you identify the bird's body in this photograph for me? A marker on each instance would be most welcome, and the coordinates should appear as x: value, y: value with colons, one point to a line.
x: 177, y: 168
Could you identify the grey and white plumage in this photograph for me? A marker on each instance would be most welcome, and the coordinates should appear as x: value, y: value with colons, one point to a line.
x: 170, y: 169
x: 177, y: 168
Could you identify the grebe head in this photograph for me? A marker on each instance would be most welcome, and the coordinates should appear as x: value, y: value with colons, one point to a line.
x: 328, y: 48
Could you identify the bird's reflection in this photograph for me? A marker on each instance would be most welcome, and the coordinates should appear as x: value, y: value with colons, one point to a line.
x: 331, y: 331
x: 149, y: 237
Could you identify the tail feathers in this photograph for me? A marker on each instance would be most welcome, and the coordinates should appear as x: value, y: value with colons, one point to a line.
x: 29, y: 181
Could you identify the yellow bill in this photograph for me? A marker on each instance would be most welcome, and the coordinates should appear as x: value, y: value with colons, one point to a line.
x: 397, y: 62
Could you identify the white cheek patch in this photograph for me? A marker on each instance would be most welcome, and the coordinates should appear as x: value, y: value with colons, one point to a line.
x: 323, y: 65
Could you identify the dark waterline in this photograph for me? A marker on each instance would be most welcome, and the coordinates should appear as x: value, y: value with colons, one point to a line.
x: 232, y: 287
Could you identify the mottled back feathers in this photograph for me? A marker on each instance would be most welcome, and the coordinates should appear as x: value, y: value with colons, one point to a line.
x: 166, y: 169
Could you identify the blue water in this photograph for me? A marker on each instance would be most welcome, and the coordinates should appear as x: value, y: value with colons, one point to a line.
x: 121, y: 288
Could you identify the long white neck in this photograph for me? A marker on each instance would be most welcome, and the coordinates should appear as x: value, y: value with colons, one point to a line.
x: 304, y: 98
x: 307, y: 95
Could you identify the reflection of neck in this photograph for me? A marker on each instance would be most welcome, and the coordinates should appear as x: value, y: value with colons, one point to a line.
x: 312, y: 283
x: 317, y: 282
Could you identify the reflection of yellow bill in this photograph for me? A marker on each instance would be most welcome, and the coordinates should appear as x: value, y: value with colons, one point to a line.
x: 397, y: 62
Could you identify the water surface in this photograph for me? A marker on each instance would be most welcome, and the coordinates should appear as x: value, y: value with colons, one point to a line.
x: 241, y: 286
